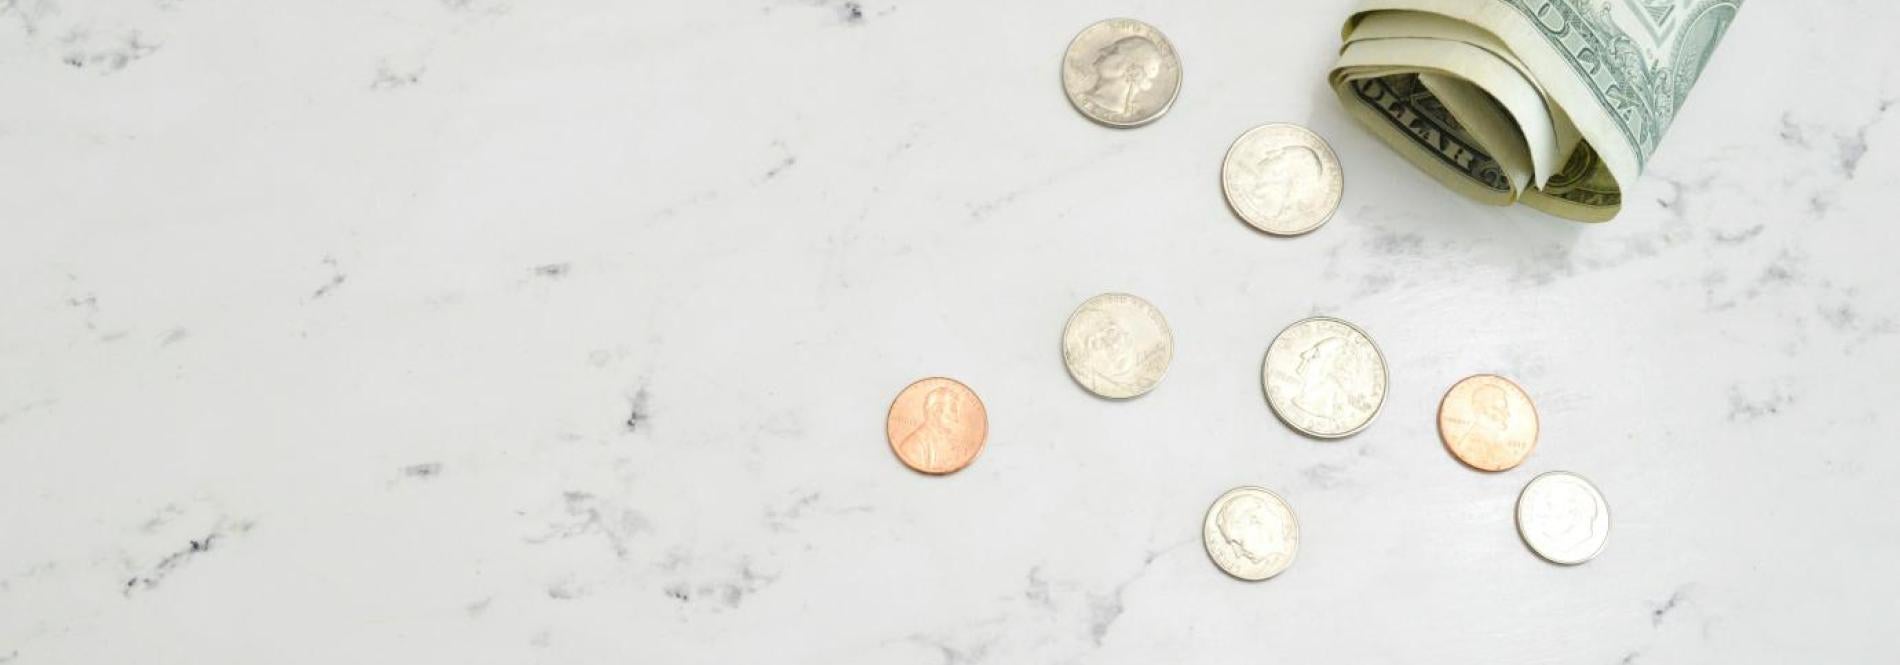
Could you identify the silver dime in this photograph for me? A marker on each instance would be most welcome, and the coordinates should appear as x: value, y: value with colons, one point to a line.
x: 1324, y: 377
x: 1282, y: 179
x: 1117, y: 345
x: 1121, y: 72
x: 1251, y: 533
x: 1563, y: 518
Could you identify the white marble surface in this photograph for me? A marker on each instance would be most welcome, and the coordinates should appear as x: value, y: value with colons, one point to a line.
x: 494, y: 331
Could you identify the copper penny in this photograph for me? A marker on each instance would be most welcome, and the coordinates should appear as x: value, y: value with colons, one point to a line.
x: 937, y: 425
x: 1488, y: 422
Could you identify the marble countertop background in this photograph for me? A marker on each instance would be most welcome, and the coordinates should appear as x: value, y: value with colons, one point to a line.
x: 492, y: 331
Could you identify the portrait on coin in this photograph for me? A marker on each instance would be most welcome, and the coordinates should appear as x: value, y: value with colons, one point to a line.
x: 1123, y: 70
x: 1108, y: 353
x: 1569, y: 514
x: 1324, y: 374
x: 1287, y: 181
x: 1491, y: 422
x: 1248, y: 532
x: 942, y: 416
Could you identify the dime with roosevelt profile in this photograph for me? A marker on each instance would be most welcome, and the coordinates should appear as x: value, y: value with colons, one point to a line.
x: 1251, y: 533
x: 1563, y: 518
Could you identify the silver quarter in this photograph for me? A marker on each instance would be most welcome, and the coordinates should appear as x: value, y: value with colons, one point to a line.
x: 1324, y: 377
x: 1117, y: 345
x: 1563, y: 518
x: 1251, y: 533
x: 1121, y: 72
x: 1282, y: 179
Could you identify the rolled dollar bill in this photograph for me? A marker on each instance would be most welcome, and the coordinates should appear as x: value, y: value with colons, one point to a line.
x: 1555, y: 103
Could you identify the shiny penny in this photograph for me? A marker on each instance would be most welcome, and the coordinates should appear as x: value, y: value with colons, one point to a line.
x: 1488, y: 422
x: 1251, y: 533
x: 1117, y: 345
x: 1324, y: 377
x: 1282, y: 179
x: 937, y: 425
x: 1563, y: 518
x: 1121, y: 72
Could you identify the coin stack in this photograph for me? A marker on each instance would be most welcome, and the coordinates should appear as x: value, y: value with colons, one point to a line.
x: 1322, y: 376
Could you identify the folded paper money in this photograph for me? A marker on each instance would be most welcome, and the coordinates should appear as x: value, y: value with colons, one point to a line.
x: 1555, y: 103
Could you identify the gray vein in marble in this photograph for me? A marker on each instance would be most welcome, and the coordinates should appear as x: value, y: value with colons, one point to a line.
x: 637, y: 413
x: 1557, y: 261
x: 785, y: 162
x: 804, y: 505
x: 1846, y: 319
x: 336, y: 280
x: 108, y: 58
x: 165, y: 515
x: 725, y: 594
x: 1105, y: 609
x: 390, y: 77
x: 1853, y: 146
x: 155, y: 574
x: 1785, y: 269
x: 1721, y: 237
x: 1037, y: 592
x: 982, y: 209
x: 1662, y: 609
x: 954, y: 652
x: 672, y: 210
x: 566, y: 589
x: 1683, y: 193
x: 89, y: 305
x: 1324, y: 476
x: 839, y: 244
x: 425, y: 470
x: 848, y: 12
x: 1748, y: 406
x: 1849, y: 148
x: 29, y: 407
x: 173, y: 336
x: 552, y: 270
x: 1387, y: 245
x: 30, y: 572
x: 587, y: 515
x: 490, y: 7
x: 780, y: 519
x: 28, y: 12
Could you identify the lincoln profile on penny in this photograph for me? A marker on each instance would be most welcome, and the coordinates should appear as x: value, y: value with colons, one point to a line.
x: 943, y: 410
x: 1123, y: 69
x: 1493, y: 419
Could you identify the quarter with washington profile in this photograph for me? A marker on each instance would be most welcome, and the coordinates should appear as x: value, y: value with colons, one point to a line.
x: 1324, y: 377
x: 1121, y: 72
